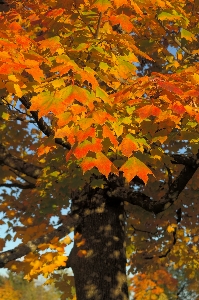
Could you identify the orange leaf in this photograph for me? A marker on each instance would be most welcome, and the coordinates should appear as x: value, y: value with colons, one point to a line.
x: 108, y: 133
x: 55, y: 13
x: 83, y: 148
x: 104, y: 165
x: 128, y: 145
x: 36, y: 73
x: 148, y: 110
x: 102, y: 5
x: 178, y: 108
x: 100, y: 117
x: 119, y: 3
x: 133, y: 167
x: 82, y: 135
x: 124, y: 21
x: 52, y: 44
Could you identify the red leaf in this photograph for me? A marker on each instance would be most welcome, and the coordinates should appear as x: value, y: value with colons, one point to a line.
x: 148, y: 110
x: 170, y: 87
x: 178, y: 108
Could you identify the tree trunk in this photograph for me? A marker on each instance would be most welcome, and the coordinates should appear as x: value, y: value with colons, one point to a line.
x: 98, y: 257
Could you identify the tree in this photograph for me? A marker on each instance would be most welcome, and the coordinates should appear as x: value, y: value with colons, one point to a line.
x: 99, y: 115
x: 15, y: 287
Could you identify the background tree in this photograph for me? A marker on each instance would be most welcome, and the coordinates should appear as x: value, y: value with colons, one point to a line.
x: 15, y: 287
x: 99, y: 115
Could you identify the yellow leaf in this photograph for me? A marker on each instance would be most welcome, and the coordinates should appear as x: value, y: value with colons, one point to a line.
x: 170, y: 228
x: 67, y: 240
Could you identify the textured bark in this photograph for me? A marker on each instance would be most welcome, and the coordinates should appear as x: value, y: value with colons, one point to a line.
x: 98, y: 258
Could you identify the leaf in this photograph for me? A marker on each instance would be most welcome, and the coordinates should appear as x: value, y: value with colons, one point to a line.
x: 86, y: 146
x: 136, y: 8
x: 128, y: 145
x: 148, y: 110
x: 119, y: 3
x: 178, y: 108
x: 82, y: 253
x: 102, y: 5
x: 53, y: 44
x: 124, y: 21
x: 187, y: 35
x: 100, y: 117
x: 171, y: 228
x: 55, y: 13
x: 167, y: 16
x: 170, y: 87
x: 108, y: 133
x: 36, y: 73
x: 59, y: 100
x: 100, y: 93
x: 134, y: 167
x: 104, y: 165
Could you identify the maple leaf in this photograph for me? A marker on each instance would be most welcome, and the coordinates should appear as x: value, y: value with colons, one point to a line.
x: 134, y: 167
x: 123, y: 20
x: 59, y: 100
x: 170, y: 87
x: 104, y: 165
x: 128, y: 145
x: 102, y: 5
x: 148, y: 110
x: 86, y: 146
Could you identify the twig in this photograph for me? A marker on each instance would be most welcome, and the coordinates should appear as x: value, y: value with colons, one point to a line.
x: 98, y: 25
x: 175, y: 39
x: 18, y: 185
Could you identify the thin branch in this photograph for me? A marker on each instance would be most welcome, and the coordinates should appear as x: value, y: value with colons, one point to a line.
x: 145, y: 231
x: 18, y: 185
x: 169, y: 176
x: 178, y: 220
x: 98, y: 26
x: 69, y: 222
x: 83, y: 20
x: 180, y: 290
x: 18, y: 164
x: 174, y: 38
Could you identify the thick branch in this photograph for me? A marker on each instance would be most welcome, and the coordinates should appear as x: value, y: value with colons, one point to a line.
x: 69, y: 223
x: 43, y: 126
x: 185, y: 160
x: 155, y: 206
x: 178, y: 185
x: 18, y: 164
x: 134, y: 198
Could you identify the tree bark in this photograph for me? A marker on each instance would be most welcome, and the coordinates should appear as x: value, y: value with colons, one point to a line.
x: 98, y: 257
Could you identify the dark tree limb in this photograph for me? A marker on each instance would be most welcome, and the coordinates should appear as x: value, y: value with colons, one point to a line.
x: 182, y: 159
x: 42, y: 124
x: 155, y: 206
x: 18, y: 164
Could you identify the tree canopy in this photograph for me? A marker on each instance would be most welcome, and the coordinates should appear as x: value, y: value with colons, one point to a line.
x: 99, y: 131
